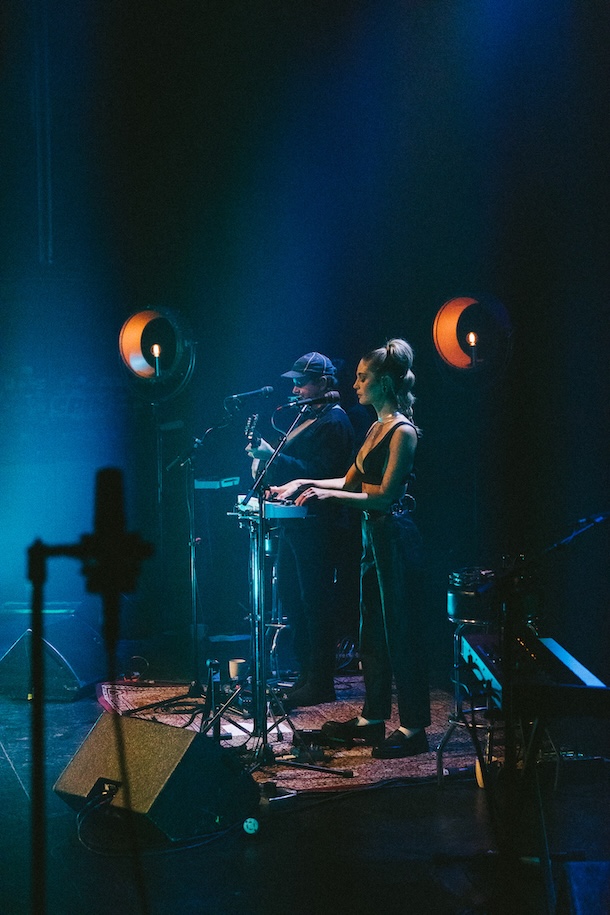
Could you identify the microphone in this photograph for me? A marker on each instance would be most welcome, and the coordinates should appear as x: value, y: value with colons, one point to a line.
x: 329, y: 397
x: 109, y: 511
x: 106, y: 553
x: 237, y: 399
x: 111, y: 555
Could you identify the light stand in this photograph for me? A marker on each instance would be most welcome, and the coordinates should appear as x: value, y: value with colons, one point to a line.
x: 157, y: 349
x: 158, y: 353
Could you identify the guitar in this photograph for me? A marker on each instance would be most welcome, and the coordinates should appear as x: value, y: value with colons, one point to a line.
x: 252, y: 436
x: 254, y: 440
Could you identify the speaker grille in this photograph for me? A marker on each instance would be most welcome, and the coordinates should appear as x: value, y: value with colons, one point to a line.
x: 181, y: 783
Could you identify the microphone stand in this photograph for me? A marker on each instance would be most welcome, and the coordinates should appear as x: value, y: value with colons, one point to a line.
x: 257, y: 562
x: 111, y: 562
x: 258, y: 530
x: 186, y: 460
x: 518, y: 781
x: 196, y: 690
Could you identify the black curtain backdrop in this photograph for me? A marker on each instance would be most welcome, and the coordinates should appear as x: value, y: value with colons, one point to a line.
x: 297, y: 176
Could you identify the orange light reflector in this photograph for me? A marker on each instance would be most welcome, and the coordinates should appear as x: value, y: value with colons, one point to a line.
x: 445, y: 333
x: 130, y: 343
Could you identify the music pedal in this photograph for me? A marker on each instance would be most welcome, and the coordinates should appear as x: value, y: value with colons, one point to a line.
x: 308, y: 754
x: 309, y: 737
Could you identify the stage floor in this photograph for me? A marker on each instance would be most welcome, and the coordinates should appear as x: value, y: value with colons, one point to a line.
x: 404, y: 845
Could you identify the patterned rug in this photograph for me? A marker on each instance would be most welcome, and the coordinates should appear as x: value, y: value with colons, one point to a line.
x: 276, y: 758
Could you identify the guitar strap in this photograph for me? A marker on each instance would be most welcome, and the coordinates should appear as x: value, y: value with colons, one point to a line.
x: 305, y: 425
x: 309, y: 422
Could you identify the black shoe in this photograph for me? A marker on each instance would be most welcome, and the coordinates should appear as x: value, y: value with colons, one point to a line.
x: 398, y: 745
x: 301, y: 681
x: 348, y: 733
x: 309, y: 695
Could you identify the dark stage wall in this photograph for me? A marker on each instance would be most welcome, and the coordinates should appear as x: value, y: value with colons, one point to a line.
x: 297, y: 176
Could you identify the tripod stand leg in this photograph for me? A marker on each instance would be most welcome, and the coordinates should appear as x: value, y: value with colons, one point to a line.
x: 267, y: 757
x: 214, y: 721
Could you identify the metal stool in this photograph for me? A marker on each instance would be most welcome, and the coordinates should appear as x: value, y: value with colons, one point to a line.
x: 471, y: 606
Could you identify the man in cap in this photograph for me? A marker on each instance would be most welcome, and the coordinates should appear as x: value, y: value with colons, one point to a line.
x: 321, y: 446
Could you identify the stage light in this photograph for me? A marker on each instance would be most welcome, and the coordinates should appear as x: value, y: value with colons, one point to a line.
x: 472, y: 335
x: 445, y: 333
x: 158, y: 352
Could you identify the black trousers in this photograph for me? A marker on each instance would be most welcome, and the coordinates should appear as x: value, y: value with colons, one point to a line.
x: 392, y: 623
x: 305, y: 582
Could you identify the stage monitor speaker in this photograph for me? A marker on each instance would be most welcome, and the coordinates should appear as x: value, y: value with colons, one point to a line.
x: 64, y: 680
x: 181, y: 784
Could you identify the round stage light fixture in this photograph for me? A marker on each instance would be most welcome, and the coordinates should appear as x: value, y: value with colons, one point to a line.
x: 473, y: 335
x: 158, y: 352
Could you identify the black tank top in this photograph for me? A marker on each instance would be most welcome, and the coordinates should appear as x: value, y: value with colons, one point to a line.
x: 372, y: 465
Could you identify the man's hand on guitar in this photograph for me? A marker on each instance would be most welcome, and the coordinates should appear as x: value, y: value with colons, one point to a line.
x: 262, y: 451
x: 257, y: 448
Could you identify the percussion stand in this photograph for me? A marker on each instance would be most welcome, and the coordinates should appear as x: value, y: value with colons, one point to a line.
x: 264, y: 756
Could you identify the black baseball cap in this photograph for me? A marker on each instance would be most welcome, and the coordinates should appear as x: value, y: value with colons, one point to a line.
x: 311, y: 364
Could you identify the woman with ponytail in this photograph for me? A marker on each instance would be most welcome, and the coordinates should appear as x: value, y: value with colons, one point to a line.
x: 392, y: 632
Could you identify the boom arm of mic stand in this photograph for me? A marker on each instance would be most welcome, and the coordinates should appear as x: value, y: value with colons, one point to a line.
x: 580, y: 528
x: 181, y: 459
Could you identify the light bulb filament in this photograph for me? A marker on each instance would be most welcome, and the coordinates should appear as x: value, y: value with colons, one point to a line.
x: 156, y: 351
x: 472, y: 340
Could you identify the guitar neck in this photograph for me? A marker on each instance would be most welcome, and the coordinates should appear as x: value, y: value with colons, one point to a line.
x: 251, y: 433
